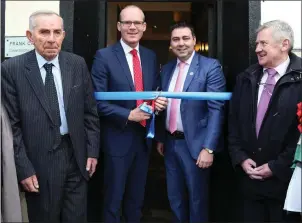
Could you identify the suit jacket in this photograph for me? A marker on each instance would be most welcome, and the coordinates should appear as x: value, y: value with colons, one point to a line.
x: 33, y: 129
x: 110, y: 72
x: 278, y: 135
x: 202, y: 120
x: 11, y: 204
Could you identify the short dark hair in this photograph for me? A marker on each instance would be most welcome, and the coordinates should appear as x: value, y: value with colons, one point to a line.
x: 182, y: 24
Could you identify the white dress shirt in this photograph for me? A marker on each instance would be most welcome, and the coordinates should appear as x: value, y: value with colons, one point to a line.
x: 58, y: 82
x: 171, y: 89
x: 281, y: 69
x: 127, y: 49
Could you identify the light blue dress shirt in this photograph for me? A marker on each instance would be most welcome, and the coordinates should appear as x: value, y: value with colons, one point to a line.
x: 58, y: 82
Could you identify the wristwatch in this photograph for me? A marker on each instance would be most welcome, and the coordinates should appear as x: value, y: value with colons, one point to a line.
x: 209, y: 151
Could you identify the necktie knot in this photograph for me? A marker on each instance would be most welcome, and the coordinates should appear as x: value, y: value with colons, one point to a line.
x: 133, y: 52
x: 48, y: 67
x: 181, y: 65
x: 271, y: 72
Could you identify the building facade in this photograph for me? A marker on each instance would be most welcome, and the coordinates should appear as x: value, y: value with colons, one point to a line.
x: 224, y: 30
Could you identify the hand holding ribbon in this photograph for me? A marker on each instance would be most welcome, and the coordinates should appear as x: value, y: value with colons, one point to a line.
x: 159, y: 97
x: 151, y: 127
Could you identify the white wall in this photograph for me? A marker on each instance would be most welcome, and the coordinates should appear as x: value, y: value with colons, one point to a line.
x: 288, y: 11
x: 18, y: 12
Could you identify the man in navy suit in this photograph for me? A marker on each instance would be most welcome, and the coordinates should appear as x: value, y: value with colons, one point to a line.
x: 192, y: 127
x: 125, y: 66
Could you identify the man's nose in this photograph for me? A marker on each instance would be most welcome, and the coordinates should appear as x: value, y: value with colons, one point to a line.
x: 258, y: 48
x: 51, y: 37
x: 132, y: 26
x: 181, y: 42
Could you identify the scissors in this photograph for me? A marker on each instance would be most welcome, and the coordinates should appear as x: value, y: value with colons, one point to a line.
x: 157, y: 96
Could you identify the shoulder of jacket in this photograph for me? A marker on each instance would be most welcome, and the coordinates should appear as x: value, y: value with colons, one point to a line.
x: 71, y: 55
x: 16, y: 59
x: 147, y: 50
x: 169, y: 64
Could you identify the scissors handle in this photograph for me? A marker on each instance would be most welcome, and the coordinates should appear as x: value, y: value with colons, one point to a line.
x: 157, y: 96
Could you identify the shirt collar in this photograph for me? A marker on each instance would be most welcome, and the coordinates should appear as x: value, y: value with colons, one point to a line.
x: 188, y: 61
x: 281, y: 68
x: 127, y: 48
x: 41, y: 61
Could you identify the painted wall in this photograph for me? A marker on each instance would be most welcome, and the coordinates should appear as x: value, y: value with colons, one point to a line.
x: 290, y: 12
x: 18, y: 12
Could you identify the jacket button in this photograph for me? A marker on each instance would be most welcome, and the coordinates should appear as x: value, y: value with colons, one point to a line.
x: 259, y: 149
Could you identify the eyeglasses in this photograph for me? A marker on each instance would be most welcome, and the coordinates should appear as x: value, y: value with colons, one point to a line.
x: 137, y: 24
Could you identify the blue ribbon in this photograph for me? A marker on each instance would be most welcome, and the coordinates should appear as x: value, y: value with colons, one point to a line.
x: 151, y: 95
x: 151, y: 128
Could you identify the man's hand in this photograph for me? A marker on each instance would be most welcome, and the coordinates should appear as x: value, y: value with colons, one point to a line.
x: 91, y: 165
x: 161, y: 104
x: 205, y: 159
x: 138, y: 115
x: 31, y: 184
x: 249, y: 166
x: 263, y: 171
x: 160, y: 148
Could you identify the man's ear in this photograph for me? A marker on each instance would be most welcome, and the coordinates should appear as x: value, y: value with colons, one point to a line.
x: 285, y: 45
x: 64, y: 34
x: 29, y: 36
x: 144, y: 27
x: 118, y: 26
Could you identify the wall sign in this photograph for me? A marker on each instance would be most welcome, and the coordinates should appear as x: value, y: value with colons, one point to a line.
x: 16, y: 45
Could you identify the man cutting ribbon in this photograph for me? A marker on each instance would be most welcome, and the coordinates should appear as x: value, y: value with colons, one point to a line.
x: 125, y: 66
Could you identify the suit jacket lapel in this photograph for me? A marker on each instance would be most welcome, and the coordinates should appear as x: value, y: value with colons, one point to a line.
x: 34, y: 78
x: 145, y: 70
x: 123, y: 61
x: 67, y: 77
x: 169, y: 76
x: 254, y: 78
x: 191, y: 72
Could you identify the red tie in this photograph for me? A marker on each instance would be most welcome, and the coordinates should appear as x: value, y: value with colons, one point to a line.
x: 138, y: 78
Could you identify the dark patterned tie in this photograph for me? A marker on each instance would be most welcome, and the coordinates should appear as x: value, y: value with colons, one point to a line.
x: 52, y: 96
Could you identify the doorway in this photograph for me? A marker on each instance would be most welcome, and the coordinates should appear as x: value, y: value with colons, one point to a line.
x: 159, y: 16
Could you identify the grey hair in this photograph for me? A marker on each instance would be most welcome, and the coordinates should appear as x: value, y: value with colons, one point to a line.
x: 280, y: 31
x: 34, y: 15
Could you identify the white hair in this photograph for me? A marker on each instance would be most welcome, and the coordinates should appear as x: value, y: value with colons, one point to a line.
x: 280, y: 31
x: 34, y: 15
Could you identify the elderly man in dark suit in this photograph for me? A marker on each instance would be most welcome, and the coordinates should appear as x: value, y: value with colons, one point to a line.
x: 49, y: 99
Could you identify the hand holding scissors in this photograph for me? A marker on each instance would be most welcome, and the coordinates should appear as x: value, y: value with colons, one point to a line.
x: 160, y: 103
